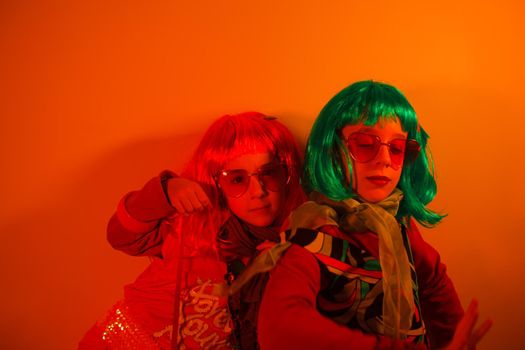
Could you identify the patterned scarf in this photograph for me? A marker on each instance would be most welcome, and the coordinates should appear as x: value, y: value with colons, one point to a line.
x: 238, y: 240
x: 355, y: 215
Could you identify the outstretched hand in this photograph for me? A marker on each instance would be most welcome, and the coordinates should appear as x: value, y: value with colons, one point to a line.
x: 187, y: 196
x: 467, y: 334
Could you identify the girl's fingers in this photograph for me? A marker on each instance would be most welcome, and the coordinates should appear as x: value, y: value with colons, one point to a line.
x: 467, y: 335
x: 203, y: 198
x: 186, y: 203
x: 187, y: 196
x: 478, y: 334
x: 465, y: 326
x: 178, y: 206
x: 195, y: 202
x: 471, y: 316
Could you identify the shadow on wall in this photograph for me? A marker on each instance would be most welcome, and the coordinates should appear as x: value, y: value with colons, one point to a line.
x: 62, y: 274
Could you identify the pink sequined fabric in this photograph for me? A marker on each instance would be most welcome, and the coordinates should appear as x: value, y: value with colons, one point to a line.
x: 204, y: 324
x: 121, y: 331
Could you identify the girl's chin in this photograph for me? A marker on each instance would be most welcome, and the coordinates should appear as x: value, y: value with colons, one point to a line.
x: 260, y: 221
x: 375, y: 196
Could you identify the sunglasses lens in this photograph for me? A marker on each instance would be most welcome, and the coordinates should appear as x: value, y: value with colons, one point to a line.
x: 397, y: 151
x: 412, y: 150
x: 234, y: 182
x: 363, y: 147
x: 273, y: 177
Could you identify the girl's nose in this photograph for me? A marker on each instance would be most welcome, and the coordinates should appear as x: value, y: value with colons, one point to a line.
x: 383, y: 156
x: 256, y: 188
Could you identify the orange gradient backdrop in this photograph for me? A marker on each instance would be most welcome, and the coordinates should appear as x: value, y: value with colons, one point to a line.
x: 98, y: 96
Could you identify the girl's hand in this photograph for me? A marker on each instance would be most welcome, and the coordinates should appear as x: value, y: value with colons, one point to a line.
x: 187, y: 196
x: 466, y: 336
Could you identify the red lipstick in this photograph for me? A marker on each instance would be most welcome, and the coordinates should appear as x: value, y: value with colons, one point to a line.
x: 378, y: 180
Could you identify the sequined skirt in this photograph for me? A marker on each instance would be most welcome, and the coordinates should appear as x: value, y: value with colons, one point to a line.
x: 120, y: 329
x: 204, y: 323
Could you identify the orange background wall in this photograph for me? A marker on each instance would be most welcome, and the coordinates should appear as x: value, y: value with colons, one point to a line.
x: 98, y: 96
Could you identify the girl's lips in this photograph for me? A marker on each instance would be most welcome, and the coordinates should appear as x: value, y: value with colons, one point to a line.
x: 264, y: 207
x: 378, y: 180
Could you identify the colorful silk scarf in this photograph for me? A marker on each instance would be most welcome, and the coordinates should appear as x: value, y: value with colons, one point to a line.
x: 356, y: 215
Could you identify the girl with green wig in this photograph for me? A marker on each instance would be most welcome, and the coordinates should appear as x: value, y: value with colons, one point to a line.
x: 358, y: 273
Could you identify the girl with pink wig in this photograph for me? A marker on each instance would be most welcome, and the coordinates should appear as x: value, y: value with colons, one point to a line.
x: 240, y: 186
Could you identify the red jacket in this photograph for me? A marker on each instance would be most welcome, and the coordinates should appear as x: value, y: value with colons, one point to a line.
x: 141, y: 227
x: 289, y: 319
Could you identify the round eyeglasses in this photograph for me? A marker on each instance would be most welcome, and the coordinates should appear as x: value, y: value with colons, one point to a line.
x: 235, y: 182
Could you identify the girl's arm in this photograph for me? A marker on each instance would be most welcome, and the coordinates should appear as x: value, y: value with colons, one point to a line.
x: 440, y: 305
x: 138, y: 226
x: 288, y: 318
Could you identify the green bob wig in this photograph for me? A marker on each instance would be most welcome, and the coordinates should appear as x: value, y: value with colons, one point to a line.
x: 368, y: 102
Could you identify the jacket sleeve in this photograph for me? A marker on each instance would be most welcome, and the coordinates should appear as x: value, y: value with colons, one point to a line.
x: 440, y: 304
x: 288, y: 317
x: 138, y: 226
